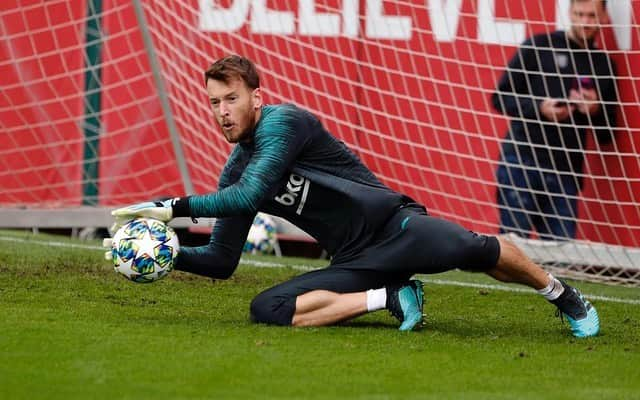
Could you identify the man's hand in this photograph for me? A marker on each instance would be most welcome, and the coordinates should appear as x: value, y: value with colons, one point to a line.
x: 586, y: 100
x: 160, y: 210
x: 556, y: 110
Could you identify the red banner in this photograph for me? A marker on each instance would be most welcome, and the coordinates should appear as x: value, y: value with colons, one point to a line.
x: 406, y: 85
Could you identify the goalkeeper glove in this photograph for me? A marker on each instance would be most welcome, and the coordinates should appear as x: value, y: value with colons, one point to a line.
x: 160, y: 210
x: 164, y: 211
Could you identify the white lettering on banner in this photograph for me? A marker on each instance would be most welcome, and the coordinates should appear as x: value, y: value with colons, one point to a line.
x: 444, y: 20
x: 490, y: 31
x: 379, y: 26
x: 444, y: 17
x: 272, y: 22
x: 321, y: 24
x: 295, y: 184
x: 350, y: 18
x: 227, y: 20
x: 266, y: 21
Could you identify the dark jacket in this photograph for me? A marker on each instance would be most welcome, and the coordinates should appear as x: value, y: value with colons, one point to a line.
x: 549, y: 65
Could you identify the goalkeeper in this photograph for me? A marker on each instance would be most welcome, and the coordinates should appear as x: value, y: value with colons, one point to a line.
x: 286, y: 163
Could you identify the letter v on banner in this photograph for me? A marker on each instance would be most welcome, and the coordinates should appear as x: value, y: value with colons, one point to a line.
x: 444, y: 16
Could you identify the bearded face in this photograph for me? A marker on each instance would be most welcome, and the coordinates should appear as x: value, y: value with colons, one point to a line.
x: 586, y: 16
x: 235, y: 107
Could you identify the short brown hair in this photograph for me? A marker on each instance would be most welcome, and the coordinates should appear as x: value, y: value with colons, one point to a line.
x: 233, y: 67
x: 604, y: 3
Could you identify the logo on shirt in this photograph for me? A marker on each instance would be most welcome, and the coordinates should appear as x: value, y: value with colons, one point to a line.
x: 562, y: 59
x: 297, y: 188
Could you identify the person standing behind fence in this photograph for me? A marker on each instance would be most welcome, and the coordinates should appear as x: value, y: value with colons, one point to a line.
x: 555, y: 88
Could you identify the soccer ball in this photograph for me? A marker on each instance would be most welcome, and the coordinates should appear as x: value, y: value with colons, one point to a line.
x: 262, y: 236
x: 144, y: 249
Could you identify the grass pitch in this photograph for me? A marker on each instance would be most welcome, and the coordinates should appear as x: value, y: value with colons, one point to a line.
x: 70, y: 328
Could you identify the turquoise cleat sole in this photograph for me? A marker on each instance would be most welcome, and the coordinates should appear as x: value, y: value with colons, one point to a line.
x: 586, y: 327
x: 414, y: 319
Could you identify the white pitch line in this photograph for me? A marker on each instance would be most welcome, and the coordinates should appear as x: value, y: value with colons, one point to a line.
x: 50, y: 243
x: 302, y: 267
x: 521, y: 290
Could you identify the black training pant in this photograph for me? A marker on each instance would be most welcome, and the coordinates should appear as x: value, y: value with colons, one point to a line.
x: 411, y: 242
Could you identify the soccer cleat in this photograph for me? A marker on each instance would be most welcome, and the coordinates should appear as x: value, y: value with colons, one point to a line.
x: 580, y: 313
x: 405, y: 302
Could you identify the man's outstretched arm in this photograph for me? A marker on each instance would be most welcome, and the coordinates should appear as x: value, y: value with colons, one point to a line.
x: 218, y: 259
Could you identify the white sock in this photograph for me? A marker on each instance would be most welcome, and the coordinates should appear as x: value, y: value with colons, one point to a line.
x: 376, y: 299
x: 553, y: 290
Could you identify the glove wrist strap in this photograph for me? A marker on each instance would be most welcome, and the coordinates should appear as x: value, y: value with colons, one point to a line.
x: 180, y: 207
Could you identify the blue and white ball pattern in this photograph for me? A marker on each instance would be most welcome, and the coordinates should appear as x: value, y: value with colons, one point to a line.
x: 262, y: 236
x: 144, y: 250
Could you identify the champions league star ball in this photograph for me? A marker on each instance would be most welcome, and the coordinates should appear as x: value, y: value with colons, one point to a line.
x: 262, y: 236
x: 144, y: 250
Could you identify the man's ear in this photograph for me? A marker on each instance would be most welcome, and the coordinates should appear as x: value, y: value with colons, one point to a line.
x: 257, y: 98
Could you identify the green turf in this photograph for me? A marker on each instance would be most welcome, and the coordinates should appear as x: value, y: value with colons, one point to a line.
x: 70, y: 328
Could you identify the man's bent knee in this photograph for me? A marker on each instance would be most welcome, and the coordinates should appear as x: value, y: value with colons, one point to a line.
x: 482, y: 252
x: 267, y: 308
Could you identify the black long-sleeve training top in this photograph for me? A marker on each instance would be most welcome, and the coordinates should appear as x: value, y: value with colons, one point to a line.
x: 295, y: 169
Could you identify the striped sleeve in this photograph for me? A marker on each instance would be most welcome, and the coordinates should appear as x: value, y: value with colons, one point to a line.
x: 278, y: 140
